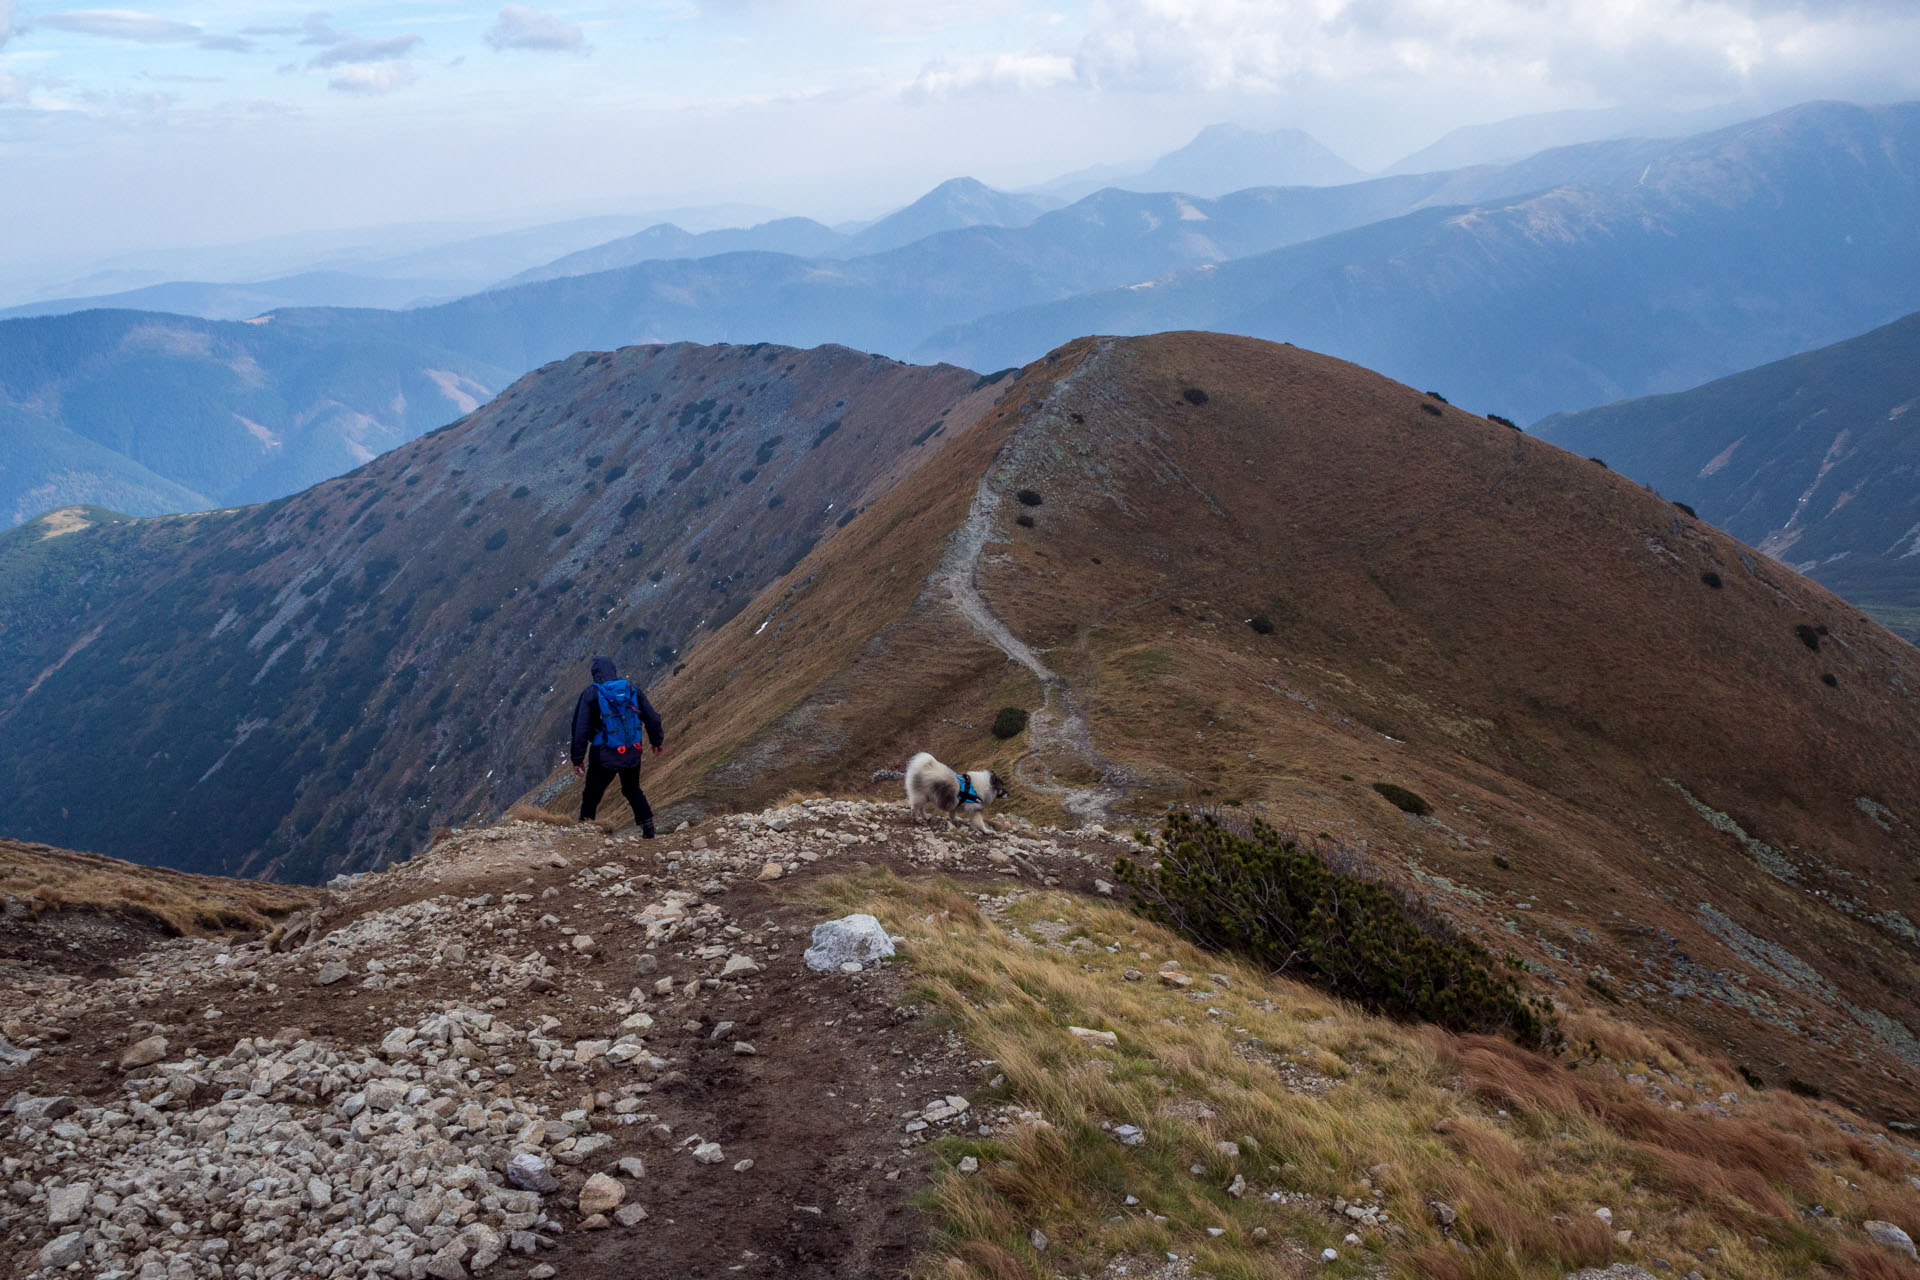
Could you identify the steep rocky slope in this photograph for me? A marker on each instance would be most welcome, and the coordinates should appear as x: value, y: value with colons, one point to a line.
x: 319, y: 682
x: 1811, y: 459
x: 1243, y: 573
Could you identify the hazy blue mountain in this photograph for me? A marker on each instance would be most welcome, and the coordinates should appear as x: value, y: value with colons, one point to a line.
x: 1504, y: 141
x: 44, y: 465
x: 242, y: 301
x: 801, y: 236
x: 1716, y: 254
x: 1221, y: 158
x: 145, y: 412
x: 1814, y: 459
x: 955, y: 203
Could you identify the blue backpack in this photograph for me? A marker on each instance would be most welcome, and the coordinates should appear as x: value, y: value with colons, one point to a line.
x: 620, y: 726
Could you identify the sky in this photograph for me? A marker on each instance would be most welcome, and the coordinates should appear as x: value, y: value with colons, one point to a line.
x: 229, y: 120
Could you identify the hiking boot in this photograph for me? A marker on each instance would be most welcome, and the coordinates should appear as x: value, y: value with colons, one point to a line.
x: 646, y: 830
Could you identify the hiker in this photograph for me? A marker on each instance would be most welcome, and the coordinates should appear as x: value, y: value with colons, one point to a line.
x: 616, y: 720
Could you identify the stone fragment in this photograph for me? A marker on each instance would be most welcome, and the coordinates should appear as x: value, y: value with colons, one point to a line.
x: 855, y: 939
x: 1238, y: 1187
x: 1174, y: 978
x: 741, y: 1166
x: 1889, y: 1237
x: 65, y: 1205
x: 531, y: 1172
x: 737, y: 965
x: 709, y: 1153
x: 772, y: 871
x: 1129, y: 1134
x: 969, y: 1164
x: 632, y: 1166
x: 1086, y: 1035
x: 331, y: 972
x: 1443, y: 1213
x: 601, y: 1194
x: 646, y: 962
x: 64, y: 1251
x: 585, y: 945
x: 628, y: 1215
x: 143, y: 1053
x: 1038, y: 1239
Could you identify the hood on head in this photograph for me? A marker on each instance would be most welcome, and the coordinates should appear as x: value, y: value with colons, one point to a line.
x: 603, y: 669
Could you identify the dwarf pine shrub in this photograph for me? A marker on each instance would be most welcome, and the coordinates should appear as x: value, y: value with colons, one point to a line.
x: 1009, y: 722
x: 1404, y: 800
x: 1262, y: 896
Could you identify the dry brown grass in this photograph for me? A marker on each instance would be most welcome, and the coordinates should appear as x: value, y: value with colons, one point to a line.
x: 49, y: 879
x: 525, y: 812
x: 1523, y: 1148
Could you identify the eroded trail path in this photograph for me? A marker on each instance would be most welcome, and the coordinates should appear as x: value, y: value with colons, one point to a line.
x: 627, y: 1024
x: 1059, y: 729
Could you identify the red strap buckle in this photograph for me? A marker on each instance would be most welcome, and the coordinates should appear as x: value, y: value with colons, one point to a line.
x: 620, y: 751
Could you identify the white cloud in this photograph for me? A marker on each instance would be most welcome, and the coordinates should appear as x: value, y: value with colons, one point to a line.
x: 120, y: 24
x: 350, y: 49
x: 519, y: 27
x: 13, y: 89
x: 999, y: 71
x: 125, y: 24
x: 372, y: 77
x: 6, y: 22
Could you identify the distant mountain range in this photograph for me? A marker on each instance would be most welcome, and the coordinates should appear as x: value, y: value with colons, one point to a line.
x: 1691, y: 260
x: 1814, y: 459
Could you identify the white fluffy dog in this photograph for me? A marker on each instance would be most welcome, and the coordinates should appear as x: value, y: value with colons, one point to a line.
x: 932, y: 786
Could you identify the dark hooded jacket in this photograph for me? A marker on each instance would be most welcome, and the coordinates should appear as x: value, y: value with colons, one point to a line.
x: 586, y: 720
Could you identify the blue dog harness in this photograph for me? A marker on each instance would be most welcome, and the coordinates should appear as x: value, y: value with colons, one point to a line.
x: 967, y: 794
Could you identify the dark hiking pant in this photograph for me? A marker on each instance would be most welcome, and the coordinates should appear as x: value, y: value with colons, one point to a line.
x: 598, y: 776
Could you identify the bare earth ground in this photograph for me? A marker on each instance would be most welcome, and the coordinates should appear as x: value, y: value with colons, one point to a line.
x: 487, y: 927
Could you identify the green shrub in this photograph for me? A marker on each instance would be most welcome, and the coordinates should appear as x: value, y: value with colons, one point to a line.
x: 1427, y: 406
x: 1025, y: 522
x: 1505, y: 422
x: 1262, y: 896
x: 1830, y: 680
x: 1435, y: 395
x: 496, y: 540
x: 1689, y: 510
x: 1009, y: 722
x: 1028, y: 498
x: 1194, y: 395
x: 1403, y: 799
x: 1261, y: 623
x: 1809, y: 635
x: 1712, y: 579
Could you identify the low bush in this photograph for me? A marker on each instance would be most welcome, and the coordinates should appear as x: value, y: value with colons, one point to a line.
x: 1809, y: 635
x: 1261, y: 623
x: 1262, y: 896
x: 1435, y: 395
x: 1025, y: 522
x: 1028, y: 498
x: 1194, y: 395
x: 1505, y: 422
x: 1689, y: 510
x: 1830, y: 680
x: 1712, y: 579
x: 1009, y: 722
x: 1428, y: 406
x: 1403, y: 799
